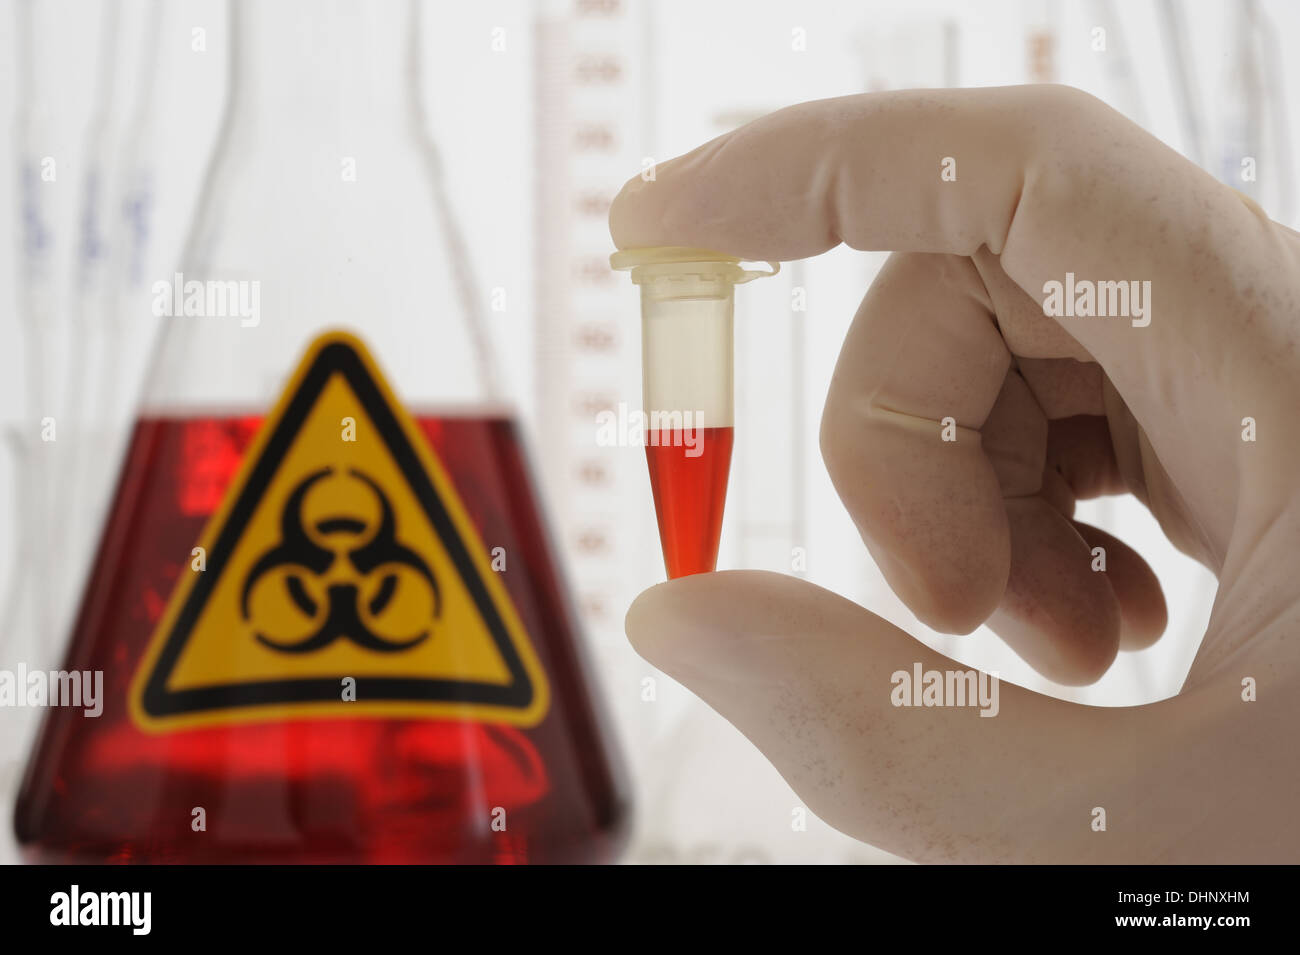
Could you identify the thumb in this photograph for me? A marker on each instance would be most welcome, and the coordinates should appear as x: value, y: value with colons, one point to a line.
x: 809, y: 678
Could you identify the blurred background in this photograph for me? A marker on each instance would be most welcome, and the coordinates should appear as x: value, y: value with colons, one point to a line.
x: 541, y: 110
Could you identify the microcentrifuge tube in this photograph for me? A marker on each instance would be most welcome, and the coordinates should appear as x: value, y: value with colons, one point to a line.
x: 687, y: 305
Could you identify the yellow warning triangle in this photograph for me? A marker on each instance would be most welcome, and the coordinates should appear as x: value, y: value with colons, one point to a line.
x: 341, y: 576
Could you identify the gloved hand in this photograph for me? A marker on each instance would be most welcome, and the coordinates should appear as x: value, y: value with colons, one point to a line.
x: 1047, y: 410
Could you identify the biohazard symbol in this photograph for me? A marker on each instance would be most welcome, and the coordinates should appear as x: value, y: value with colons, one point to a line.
x: 319, y: 552
x: 339, y: 562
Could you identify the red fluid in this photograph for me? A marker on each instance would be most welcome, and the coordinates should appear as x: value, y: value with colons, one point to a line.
x: 689, y: 483
x: 332, y: 790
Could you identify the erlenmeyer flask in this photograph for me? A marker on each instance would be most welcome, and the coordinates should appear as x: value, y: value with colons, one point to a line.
x: 329, y: 620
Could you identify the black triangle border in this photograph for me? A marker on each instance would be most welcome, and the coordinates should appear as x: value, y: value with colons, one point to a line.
x: 159, y: 703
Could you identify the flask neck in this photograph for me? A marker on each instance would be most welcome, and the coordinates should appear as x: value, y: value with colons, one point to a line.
x: 339, y: 67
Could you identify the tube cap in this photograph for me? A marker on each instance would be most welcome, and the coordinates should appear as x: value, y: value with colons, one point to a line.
x: 657, y: 261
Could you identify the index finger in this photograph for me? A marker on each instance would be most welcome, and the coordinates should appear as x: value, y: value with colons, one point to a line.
x: 1047, y: 177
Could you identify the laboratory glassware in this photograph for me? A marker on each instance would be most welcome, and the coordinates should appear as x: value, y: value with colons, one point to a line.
x: 324, y: 243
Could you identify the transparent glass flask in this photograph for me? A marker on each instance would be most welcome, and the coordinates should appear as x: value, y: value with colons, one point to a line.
x: 323, y: 210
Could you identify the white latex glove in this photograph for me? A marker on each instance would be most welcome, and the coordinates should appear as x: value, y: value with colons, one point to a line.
x: 1050, y: 410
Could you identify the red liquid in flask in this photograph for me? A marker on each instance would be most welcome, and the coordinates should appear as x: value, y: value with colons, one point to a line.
x: 689, y: 482
x: 362, y: 790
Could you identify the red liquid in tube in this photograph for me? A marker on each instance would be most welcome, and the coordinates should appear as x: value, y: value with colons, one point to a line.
x: 689, y: 482
x: 362, y: 790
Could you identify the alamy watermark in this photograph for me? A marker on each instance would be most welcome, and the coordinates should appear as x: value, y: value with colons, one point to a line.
x: 633, y: 427
x: 83, y: 688
x: 231, y: 298
x: 921, y: 687
x: 133, y: 910
x: 1084, y: 298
